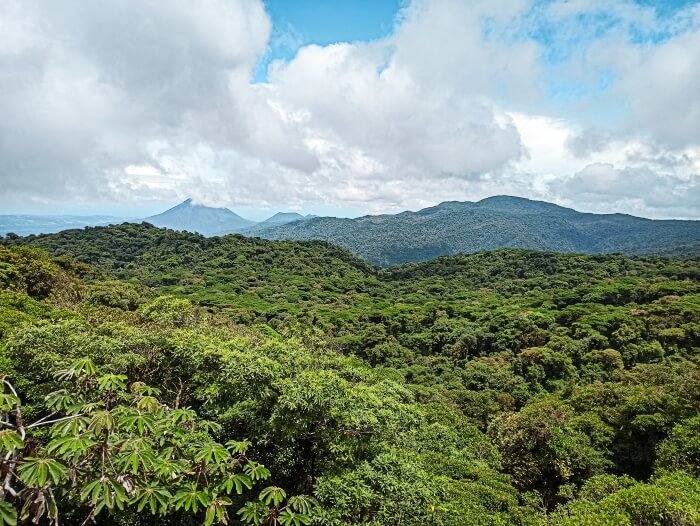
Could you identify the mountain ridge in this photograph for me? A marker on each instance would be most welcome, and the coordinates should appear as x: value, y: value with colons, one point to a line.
x: 454, y: 227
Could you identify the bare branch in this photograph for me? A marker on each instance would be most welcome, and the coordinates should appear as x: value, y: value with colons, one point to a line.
x: 46, y: 422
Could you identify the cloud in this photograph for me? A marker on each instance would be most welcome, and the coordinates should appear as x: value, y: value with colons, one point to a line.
x: 601, y: 186
x: 121, y: 100
x: 88, y: 89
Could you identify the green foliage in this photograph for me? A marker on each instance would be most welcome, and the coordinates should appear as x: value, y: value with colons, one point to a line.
x: 496, y: 222
x: 509, y: 387
x: 670, y: 500
x: 108, y: 447
x: 681, y: 449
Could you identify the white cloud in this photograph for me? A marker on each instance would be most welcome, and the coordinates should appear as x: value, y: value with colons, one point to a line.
x: 124, y: 100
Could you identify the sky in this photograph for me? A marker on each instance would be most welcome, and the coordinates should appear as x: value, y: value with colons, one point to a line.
x: 348, y: 107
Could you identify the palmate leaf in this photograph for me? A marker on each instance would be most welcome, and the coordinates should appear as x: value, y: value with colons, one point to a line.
x: 149, y: 404
x: 39, y: 471
x: 239, y: 447
x: 213, y: 452
x: 60, y: 400
x: 191, y: 499
x: 8, y: 514
x: 105, y: 493
x: 291, y: 518
x: 112, y: 382
x: 70, y: 446
x: 253, y: 513
x: 155, y: 497
x: 272, y: 495
x: 303, y: 504
x: 142, y: 422
x: 216, y: 511
x: 101, y: 422
x: 10, y: 440
x: 72, y: 426
x: 134, y: 459
x: 238, y: 481
x: 141, y: 388
x: 80, y: 367
x: 256, y: 471
x: 182, y: 416
x: 8, y: 401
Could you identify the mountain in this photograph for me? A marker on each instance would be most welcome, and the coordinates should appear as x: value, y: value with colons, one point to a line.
x: 26, y: 224
x: 496, y: 222
x: 279, y: 219
x: 202, y: 219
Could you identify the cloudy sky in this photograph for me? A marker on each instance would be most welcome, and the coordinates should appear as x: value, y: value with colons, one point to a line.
x: 348, y: 107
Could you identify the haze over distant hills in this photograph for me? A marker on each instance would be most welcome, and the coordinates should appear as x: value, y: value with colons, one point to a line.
x: 26, y: 224
x: 496, y: 222
x: 188, y: 215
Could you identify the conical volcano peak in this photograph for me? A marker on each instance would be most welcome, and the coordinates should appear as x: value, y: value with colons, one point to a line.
x: 196, y: 217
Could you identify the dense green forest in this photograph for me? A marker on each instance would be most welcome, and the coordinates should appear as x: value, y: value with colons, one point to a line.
x: 160, y: 377
x: 456, y: 227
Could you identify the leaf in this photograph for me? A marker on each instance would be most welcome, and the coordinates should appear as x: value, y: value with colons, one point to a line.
x: 112, y: 382
x: 8, y: 402
x: 302, y: 504
x: 80, y: 367
x: 212, y: 451
x: 272, y: 495
x: 8, y: 514
x: 239, y: 447
x: 290, y: 518
x: 39, y: 471
x: 253, y: 513
x: 239, y: 481
x: 139, y: 421
x: 256, y: 471
x: 70, y: 446
x: 191, y: 499
x: 155, y: 497
x: 102, y: 421
x: 10, y: 440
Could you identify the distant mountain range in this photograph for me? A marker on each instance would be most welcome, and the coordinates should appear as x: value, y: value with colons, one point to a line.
x: 496, y: 222
x: 188, y: 216
x: 449, y: 228
x: 211, y: 221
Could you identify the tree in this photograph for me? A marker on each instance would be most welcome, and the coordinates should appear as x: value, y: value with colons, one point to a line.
x: 543, y: 450
x: 105, y: 446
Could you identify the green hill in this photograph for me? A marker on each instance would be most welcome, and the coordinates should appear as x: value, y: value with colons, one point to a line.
x: 510, y: 387
x: 496, y: 222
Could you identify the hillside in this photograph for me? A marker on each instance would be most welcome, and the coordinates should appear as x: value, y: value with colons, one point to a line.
x: 278, y: 219
x: 192, y: 217
x: 539, y: 388
x: 496, y: 222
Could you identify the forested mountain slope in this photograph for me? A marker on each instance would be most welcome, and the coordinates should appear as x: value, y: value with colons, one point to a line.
x: 495, y: 222
x: 510, y: 387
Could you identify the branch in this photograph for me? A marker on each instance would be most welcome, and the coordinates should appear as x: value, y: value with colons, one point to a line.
x: 41, y: 420
x: 19, y: 423
x: 8, y: 384
x: 43, y: 423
